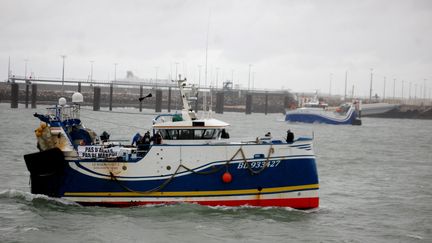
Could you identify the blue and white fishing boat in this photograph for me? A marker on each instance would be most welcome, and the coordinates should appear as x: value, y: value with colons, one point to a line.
x: 189, y: 160
x: 317, y: 112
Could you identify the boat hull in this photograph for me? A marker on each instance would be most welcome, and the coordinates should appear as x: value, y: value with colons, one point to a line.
x: 321, y: 117
x: 283, y: 180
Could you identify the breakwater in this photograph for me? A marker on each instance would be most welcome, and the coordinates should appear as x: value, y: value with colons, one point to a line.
x: 407, y: 112
x: 163, y: 98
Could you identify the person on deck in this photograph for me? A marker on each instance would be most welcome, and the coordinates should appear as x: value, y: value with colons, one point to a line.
x: 290, y: 136
x: 135, y: 139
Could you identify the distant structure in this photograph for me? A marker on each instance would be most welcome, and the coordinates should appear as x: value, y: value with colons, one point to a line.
x: 227, y: 85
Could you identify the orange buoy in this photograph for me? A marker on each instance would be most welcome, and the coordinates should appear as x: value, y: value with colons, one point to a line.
x: 227, y: 177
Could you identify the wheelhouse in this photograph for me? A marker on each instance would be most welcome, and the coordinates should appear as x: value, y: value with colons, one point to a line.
x: 199, y: 130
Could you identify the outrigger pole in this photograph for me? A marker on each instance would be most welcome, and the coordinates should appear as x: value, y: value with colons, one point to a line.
x: 147, y: 96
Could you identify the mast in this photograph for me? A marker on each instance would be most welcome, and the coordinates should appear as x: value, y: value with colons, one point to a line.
x: 187, y: 113
x: 346, y: 78
x: 206, y: 59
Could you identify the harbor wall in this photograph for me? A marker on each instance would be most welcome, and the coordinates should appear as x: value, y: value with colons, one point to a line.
x: 407, y: 112
x: 233, y: 100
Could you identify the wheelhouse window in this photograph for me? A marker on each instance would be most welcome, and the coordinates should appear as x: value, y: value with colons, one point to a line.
x: 189, y: 134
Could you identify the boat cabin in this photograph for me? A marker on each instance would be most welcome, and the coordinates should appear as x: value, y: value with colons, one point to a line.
x: 191, y: 131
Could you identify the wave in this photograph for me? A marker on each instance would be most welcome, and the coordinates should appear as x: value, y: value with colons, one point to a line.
x: 33, y: 198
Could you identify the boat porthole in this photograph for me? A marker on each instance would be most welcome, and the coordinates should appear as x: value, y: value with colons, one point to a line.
x: 161, y: 158
x: 299, y: 193
x: 157, y: 153
x: 124, y: 167
x: 168, y: 167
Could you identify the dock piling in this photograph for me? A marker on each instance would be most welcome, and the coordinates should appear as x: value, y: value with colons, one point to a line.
x: 266, y: 103
x: 34, y: 96
x: 27, y: 93
x: 248, y: 104
x: 14, y: 95
x: 169, y: 99
x: 111, y: 96
x: 96, y: 98
x: 158, y: 106
x: 141, y: 95
x: 220, y: 98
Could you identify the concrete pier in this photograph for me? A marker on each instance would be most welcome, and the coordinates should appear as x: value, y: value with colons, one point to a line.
x: 158, y: 105
x: 14, y: 95
x: 232, y: 100
x: 34, y: 96
x: 96, y: 98
x: 248, y: 104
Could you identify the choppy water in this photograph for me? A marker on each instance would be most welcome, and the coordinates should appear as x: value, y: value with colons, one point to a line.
x: 376, y: 186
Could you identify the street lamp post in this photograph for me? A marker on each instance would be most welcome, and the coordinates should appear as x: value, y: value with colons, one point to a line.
x: 199, y: 75
x: 25, y: 68
x: 217, y: 77
x: 176, y: 64
x: 91, y: 72
x: 115, y: 71
x: 250, y: 66
x: 370, y: 91
x: 63, y: 57
x: 156, y: 76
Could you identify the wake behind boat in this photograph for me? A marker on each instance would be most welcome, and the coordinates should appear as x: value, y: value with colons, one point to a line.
x: 186, y: 159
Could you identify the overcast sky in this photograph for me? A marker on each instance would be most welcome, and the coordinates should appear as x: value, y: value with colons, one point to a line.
x: 297, y: 45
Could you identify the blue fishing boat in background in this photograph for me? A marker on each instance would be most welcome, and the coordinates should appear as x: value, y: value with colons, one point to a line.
x: 315, y: 111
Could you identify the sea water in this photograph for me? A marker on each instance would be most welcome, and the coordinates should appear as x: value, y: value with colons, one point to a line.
x: 375, y: 186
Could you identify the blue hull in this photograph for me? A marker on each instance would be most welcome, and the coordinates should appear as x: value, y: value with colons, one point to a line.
x: 350, y: 119
x: 289, y: 172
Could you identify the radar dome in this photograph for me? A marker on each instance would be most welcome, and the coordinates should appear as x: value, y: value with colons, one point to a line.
x: 77, y: 97
x: 62, y: 101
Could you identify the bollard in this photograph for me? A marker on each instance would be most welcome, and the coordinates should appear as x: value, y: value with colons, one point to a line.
x: 220, y: 102
x: 158, y: 105
x: 96, y: 98
x: 34, y: 96
x: 111, y: 97
x: 14, y: 95
x: 141, y: 95
x: 248, y: 104
x: 27, y: 94
x: 266, y: 103
x: 169, y: 99
x: 79, y: 87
